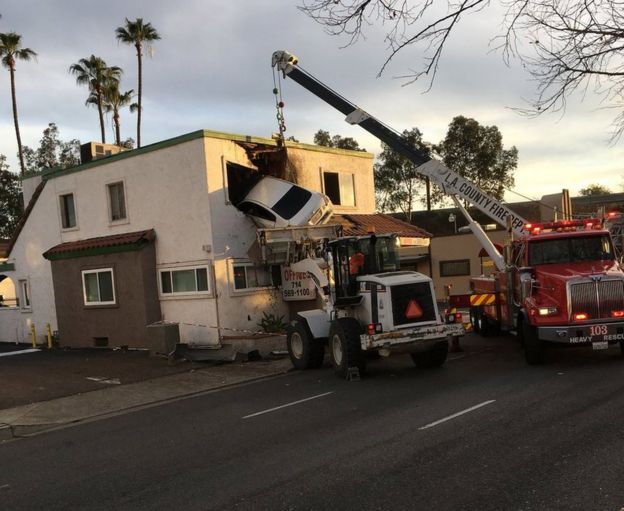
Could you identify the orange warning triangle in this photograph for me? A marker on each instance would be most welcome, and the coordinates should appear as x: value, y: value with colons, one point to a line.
x: 413, y: 310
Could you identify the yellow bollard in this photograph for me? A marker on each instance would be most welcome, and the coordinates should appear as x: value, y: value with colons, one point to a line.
x: 49, y: 335
x: 33, y: 336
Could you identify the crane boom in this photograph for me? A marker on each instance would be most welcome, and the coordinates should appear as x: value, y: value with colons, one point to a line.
x: 449, y: 181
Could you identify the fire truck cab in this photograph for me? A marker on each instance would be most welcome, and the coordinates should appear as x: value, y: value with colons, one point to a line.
x: 562, y: 284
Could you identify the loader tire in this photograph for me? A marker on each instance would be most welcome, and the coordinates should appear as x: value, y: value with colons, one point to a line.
x: 434, y: 357
x: 344, y: 346
x: 305, y: 352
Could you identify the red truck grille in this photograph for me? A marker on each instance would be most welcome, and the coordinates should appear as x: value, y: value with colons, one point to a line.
x: 597, y: 299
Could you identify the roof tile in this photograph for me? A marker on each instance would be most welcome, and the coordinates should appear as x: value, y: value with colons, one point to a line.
x: 362, y: 224
x: 115, y: 240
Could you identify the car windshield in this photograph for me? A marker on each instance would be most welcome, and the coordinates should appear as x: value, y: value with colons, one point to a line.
x: 292, y: 202
x: 570, y: 250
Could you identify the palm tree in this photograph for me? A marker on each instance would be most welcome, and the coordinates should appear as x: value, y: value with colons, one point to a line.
x: 135, y: 32
x: 96, y: 75
x: 10, y: 52
x: 115, y: 100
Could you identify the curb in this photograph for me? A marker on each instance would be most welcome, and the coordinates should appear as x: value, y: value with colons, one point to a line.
x: 16, y: 431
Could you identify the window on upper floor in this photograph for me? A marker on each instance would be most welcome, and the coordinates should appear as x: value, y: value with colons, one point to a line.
x: 98, y: 287
x: 184, y: 281
x: 338, y: 186
x: 68, y: 211
x: 116, y: 201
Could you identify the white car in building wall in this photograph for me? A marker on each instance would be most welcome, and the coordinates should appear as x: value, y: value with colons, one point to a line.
x: 274, y: 202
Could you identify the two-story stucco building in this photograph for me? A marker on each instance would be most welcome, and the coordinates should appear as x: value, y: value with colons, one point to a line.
x: 109, y: 246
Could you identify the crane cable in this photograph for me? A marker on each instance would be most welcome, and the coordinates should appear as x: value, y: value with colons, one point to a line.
x: 279, y: 106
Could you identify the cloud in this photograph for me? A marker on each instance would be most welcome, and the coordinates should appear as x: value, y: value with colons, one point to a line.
x: 212, y: 70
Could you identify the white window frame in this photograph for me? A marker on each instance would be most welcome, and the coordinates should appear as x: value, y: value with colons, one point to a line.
x: 247, y: 264
x: 341, y: 176
x: 25, y: 299
x: 119, y: 221
x: 84, y: 287
x: 61, y: 209
x: 182, y: 294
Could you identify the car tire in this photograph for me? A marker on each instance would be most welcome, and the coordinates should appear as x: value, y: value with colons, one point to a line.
x: 345, y: 349
x: 434, y: 357
x: 534, y: 348
x: 304, y: 351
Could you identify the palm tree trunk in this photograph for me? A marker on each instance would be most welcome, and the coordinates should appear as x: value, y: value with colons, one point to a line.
x: 140, y: 62
x: 101, y: 114
x: 117, y: 128
x: 17, y: 131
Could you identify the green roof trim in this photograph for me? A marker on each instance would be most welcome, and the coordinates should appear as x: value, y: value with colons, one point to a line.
x: 97, y: 251
x: 7, y: 266
x: 58, y: 171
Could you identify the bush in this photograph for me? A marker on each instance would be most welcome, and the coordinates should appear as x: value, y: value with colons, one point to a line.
x: 270, y: 323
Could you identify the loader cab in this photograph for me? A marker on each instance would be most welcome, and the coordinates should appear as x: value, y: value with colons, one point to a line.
x: 362, y: 255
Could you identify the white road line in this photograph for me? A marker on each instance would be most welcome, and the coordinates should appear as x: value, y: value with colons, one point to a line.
x: 456, y: 358
x: 286, y: 405
x: 472, y: 408
x: 20, y: 352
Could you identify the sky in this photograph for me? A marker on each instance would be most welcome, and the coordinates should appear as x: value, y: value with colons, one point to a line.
x: 211, y: 70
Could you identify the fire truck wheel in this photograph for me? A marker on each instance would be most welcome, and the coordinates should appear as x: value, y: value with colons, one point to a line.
x: 533, y: 347
x: 345, y: 349
x: 484, y: 324
x: 304, y: 352
x: 474, y: 314
x: 434, y: 357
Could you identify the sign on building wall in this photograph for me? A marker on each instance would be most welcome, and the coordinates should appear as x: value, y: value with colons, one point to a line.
x: 296, y: 285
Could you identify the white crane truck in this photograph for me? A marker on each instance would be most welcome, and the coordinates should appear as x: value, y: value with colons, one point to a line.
x: 368, y: 304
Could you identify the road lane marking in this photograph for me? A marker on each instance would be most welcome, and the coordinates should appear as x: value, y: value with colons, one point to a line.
x: 467, y: 410
x: 20, y: 352
x: 456, y: 358
x: 286, y: 405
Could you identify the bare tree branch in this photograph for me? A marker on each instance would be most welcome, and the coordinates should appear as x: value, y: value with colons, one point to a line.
x: 566, y: 46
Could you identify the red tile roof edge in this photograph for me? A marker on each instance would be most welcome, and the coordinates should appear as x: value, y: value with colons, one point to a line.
x: 382, y: 223
x: 113, y: 240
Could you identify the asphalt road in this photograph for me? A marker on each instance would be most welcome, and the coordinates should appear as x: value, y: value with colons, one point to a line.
x: 485, y: 432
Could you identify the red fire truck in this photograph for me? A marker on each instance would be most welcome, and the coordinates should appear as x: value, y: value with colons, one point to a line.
x: 562, y: 284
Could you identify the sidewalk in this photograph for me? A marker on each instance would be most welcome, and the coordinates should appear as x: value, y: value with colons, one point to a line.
x: 81, y: 401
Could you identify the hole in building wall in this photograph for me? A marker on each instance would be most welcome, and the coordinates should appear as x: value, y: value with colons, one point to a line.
x: 268, y: 160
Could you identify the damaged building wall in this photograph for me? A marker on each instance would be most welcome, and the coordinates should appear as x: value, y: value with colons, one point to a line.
x: 316, y: 167
x: 244, y: 290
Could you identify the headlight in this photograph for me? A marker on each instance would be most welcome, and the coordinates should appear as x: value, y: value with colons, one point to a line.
x: 547, y: 311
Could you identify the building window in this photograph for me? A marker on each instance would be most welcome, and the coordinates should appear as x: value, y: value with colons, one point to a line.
x: 117, y: 201
x: 184, y: 281
x: 98, y: 287
x: 68, y: 211
x: 248, y: 276
x: 339, y: 188
x: 455, y: 268
x: 24, y: 295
